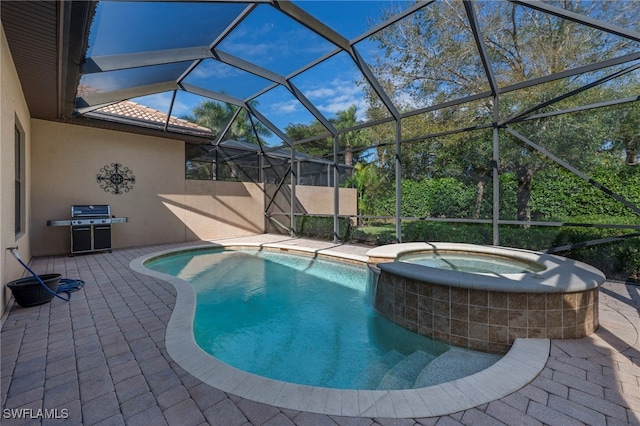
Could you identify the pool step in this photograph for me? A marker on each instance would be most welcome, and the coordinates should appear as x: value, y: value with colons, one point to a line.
x: 405, y: 372
x: 453, y: 364
x: 370, y: 377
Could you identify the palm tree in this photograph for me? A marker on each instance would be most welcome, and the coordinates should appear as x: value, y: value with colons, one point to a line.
x: 368, y: 183
x: 215, y: 116
x: 344, y: 120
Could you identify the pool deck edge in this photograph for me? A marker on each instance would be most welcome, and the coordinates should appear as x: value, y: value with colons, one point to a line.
x: 517, y: 368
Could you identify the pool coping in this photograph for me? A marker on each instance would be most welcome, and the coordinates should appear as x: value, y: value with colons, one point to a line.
x: 524, y: 361
x: 561, y: 274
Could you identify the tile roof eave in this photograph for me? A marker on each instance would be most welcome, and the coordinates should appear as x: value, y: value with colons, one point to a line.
x: 145, y: 124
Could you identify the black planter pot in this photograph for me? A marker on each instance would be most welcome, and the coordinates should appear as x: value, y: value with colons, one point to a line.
x: 29, y: 292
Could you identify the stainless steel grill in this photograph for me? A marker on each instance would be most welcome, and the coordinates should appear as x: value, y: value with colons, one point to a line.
x: 90, y: 227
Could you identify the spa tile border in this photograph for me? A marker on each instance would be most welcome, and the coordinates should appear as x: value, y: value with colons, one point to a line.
x: 518, y: 367
x: 483, y: 320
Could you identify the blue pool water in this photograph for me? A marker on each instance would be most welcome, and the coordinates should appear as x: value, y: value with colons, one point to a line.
x: 298, y: 319
x: 472, y: 262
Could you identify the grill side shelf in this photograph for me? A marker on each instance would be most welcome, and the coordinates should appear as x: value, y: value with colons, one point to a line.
x: 68, y: 222
x: 58, y: 223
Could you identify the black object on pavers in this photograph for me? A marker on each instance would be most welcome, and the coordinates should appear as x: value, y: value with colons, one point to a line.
x: 29, y: 292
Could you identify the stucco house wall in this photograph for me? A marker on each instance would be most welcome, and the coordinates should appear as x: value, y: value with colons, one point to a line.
x: 161, y: 207
x: 13, y: 109
x: 66, y: 161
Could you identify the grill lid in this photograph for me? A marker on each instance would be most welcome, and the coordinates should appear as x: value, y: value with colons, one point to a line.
x: 96, y: 210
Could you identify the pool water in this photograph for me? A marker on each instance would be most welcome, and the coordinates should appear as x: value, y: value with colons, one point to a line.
x: 472, y: 262
x: 300, y: 320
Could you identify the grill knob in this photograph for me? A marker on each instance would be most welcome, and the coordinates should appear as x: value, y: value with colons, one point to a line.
x: 91, y: 221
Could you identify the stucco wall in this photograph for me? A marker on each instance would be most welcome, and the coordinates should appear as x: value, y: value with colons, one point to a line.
x: 162, y: 207
x: 319, y: 200
x: 12, y: 107
x: 223, y: 209
x: 65, y: 162
x: 310, y: 200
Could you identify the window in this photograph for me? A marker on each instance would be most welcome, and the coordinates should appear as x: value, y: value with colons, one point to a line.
x: 19, y: 181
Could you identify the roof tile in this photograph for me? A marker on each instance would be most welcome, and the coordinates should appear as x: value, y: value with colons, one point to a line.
x: 133, y: 110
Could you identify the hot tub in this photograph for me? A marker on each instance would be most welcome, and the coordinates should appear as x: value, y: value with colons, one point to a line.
x: 425, y: 288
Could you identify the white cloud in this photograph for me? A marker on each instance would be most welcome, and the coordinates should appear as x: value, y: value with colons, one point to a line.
x: 213, y: 69
x: 286, y: 107
x: 337, y: 95
x: 319, y: 93
x: 180, y: 109
x: 332, y: 108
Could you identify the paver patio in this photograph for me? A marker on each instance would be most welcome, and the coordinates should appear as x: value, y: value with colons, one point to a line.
x: 101, y: 360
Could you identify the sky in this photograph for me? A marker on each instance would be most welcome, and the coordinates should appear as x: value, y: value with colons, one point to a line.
x: 266, y: 37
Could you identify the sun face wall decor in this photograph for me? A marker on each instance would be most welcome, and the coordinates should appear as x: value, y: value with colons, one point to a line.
x: 116, y: 179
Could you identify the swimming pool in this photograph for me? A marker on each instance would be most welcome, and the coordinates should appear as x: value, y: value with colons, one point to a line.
x: 302, y: 320
x: 524, y: 361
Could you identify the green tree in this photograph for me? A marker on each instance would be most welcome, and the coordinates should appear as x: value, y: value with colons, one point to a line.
x: 215, y: 116
x: 321, y: 148
x: 344, y: 120
x: 348, y: 141
x: 369, y: 185
x: 432, y: 57
x: 628, y: 134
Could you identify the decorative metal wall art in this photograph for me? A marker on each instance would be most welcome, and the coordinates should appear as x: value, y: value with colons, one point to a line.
x: 116, y: 179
